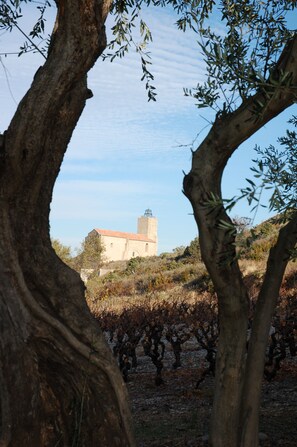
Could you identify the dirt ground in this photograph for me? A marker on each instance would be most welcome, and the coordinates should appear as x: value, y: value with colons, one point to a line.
x: 176, y: 414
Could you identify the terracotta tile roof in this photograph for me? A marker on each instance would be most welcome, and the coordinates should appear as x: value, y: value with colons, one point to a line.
x: 131, y: 236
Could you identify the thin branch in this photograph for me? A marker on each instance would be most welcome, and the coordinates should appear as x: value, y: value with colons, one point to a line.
x: 30, y: 40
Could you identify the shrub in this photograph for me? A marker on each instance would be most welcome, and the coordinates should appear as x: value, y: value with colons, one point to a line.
x: 132, y: 265
x: 260, y: 249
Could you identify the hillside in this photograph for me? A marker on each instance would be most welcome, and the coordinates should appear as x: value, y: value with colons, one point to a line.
x: 177, y: 275
x: 159, y: 315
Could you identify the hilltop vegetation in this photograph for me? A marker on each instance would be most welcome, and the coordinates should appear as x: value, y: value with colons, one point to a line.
x: 177, y: 275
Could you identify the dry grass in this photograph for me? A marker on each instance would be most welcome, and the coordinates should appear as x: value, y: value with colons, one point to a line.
x: 173, y: 278
x: 147, y: 280
x: 252, y: 267
x: 177, y: 294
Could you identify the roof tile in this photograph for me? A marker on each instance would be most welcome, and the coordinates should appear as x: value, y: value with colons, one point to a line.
x: 131, y: 236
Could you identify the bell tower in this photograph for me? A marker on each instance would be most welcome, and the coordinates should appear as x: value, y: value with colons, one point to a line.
x: 148, y: 225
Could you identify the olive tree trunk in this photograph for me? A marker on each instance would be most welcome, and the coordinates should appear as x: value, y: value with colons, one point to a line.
x: 59, y: 385
x: 238, y: 373
x: 266, y: 303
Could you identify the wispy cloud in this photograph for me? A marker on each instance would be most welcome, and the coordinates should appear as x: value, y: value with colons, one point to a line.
x: 123, y: 156
x: 119, y: 115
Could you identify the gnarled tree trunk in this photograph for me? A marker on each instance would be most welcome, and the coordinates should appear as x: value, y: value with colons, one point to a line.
x: 59, y: 383
x: 238, y: 372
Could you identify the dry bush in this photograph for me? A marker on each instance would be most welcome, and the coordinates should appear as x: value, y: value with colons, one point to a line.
x: 142, y: 276
x: 260, y: 249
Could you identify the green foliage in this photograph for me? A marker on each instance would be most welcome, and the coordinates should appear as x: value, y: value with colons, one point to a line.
x: 260, y: 248
x: 127, y: 17
x: 274, y: 171
x: 193, y: 250
x: 11, y: 13
x: 129, y: 26
x: 267, y: 228
x: 255, y: 243
x: 91, y: 253
x: 179, y: 250
x: 238, y: 62
x: 277, y: 170
x: 156, y: 283
x: 63, y: 251
x: 184, y: 275
x: 201, y: 283
x: 132, y: 265
x: 108, y: 287
x: 241, y: 60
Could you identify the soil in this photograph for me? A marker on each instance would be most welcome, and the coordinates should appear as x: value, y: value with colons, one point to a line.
x: 176, y: 414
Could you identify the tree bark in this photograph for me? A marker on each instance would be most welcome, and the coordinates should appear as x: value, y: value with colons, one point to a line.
x: 60, y: 385
x: 277, y: 261
x: 203, y: 185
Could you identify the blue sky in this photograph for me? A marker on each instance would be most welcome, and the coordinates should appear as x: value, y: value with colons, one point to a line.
x: 128, y: 154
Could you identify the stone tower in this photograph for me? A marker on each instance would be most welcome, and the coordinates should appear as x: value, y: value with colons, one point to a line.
x: 148, y: 225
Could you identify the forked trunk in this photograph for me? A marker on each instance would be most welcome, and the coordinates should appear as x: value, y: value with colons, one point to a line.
x: 60, y: 385
x: 218, y: 253
x: 238, y: 374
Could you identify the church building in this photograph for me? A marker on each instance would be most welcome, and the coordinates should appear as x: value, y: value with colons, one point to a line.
x: 124, y: 246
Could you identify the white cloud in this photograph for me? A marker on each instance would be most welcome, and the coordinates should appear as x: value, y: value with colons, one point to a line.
x: 121, y: 139
x: 119, y: 116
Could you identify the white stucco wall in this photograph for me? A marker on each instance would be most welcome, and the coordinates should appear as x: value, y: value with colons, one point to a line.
x: 117, y: 248
x: 120, y: 246
x: 148, y: 226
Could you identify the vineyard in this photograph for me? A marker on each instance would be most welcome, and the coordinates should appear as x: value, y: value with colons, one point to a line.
x: 158, y: 326
x: 160, y: 318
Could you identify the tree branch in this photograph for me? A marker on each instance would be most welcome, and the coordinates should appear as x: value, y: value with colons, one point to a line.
x: 277, y: 261
x: 230, y: 130
x: 211, y: 157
